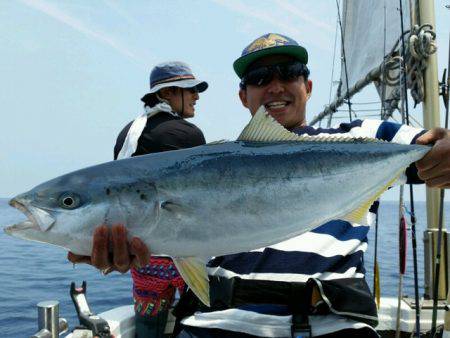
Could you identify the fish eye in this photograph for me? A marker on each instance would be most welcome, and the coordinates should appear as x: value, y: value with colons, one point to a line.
x: 69, y: 201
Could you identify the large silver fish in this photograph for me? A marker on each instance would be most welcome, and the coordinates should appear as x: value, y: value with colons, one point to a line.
x: 222, y: 198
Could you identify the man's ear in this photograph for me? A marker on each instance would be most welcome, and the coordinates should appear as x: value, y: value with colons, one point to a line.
x: 309, y: 86
x: 243, y: 97
x: 166, y: 93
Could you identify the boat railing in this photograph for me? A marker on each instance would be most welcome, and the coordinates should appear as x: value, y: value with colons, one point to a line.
x: 49, y: 323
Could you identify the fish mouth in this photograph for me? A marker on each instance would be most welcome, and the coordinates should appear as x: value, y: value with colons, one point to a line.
x: 38, y: 219
x: 20, y: 227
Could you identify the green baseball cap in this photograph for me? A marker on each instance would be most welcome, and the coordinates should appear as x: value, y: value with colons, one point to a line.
x: 269, y: 44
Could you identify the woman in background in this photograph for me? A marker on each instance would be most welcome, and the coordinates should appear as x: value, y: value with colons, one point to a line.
x: 173, y: 94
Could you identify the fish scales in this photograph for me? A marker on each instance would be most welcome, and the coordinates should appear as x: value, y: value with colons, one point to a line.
x: 222, y: 193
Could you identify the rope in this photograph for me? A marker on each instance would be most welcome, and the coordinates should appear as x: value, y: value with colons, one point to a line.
x: 421, y: 45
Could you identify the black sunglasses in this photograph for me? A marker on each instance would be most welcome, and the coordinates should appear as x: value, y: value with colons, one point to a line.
x: 261, y: 76
x: 192, y: 90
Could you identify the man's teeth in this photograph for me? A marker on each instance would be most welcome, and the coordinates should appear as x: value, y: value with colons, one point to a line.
x: 277, y: 104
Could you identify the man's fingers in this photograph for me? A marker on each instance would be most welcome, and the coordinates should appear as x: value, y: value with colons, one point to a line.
x: 438, y: 155
x: 426, y: 164
x: 120, y: 248
x: 140, y: 250
x: 431, y: 136
x: 439, y: 137
x: 135, y: 263
x: 442, y: 182
x: 100, y: 248
x: 76, y: 259
x: 440, y: 169
x: 122, y: 253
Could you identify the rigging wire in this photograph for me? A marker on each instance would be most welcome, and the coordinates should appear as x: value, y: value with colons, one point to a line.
x: 401, y: 219
x: 345, y: 117
x: 383, y: 69
x: 413, y: 122
x: 332, y: 70
x: 361, y: 110
x: 405, y: 109
x: 349, y: 103
x: 365, y: 103
x: 416, y: 121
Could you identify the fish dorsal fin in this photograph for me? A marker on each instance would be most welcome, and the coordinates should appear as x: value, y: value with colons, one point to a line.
x: 193, y: 271
x: 359, y: 215
x: 264, y: 128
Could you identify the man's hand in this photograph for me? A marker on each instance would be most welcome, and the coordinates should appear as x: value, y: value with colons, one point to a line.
x: 434, y: 168
x: 124, y: 254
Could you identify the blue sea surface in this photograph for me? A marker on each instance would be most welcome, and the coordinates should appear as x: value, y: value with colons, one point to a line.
x: 33, y: 272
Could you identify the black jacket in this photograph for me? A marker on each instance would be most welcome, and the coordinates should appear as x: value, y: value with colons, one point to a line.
x: 163, y: 132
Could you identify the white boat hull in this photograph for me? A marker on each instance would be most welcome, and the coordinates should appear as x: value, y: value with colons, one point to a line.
x: 121, y: 319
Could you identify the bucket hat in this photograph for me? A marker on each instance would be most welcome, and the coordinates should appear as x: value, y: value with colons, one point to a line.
x: 173, y: 74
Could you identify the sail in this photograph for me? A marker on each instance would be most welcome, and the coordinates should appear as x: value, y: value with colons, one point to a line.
x: 371, y: 33
x: 370, y: 29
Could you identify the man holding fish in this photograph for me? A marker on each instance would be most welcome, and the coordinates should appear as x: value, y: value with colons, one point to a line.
x: 311, y: 282
x: 274, y: 74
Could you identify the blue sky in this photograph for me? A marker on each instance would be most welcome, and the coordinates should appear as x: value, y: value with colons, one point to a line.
x: 72, y: 72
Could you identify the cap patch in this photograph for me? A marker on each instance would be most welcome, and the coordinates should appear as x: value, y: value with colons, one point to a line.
x: 268, y: 41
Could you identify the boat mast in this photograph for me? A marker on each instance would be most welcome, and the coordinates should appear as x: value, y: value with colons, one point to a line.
x: 431, y: 119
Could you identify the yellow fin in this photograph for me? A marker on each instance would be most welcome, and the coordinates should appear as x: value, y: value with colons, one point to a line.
x: 264, y: 128
x: 359, y: 215
x: 193, y: 271
x: 376, y: 285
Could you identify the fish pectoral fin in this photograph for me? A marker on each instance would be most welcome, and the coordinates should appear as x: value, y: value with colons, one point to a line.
x: 176, y: 210
x: 173, y: 206
x: 193, y: 271
x: 172, y: 203
x: 264, y: 128
x: 359, y: 214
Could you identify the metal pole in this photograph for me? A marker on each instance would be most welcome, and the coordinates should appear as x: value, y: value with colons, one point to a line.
x: 48, y: 319
x: 431, y: 116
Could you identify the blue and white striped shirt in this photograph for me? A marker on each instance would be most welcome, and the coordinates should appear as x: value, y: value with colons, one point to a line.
x: 332, y: 251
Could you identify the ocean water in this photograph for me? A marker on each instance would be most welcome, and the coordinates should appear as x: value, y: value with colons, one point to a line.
x: 33, y: 272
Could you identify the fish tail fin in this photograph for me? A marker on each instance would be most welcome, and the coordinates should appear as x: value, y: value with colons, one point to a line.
x: 193, y: 271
